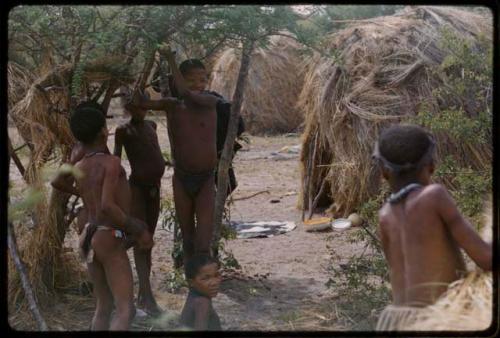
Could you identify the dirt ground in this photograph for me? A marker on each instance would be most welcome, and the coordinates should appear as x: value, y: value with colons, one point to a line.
x: 292, y: 296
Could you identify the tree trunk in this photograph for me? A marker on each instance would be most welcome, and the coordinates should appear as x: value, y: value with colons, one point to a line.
x: 227, y: 152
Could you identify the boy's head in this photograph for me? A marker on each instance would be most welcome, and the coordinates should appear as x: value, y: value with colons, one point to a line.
x: 137, y: 112
x: 91, y: 104
x: 88, y: 124
x: 195, y: 74
x: 405, y: 150
x: 202, y: 274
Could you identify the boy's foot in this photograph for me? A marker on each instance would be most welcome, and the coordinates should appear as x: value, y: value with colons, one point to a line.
x: 150, y: 308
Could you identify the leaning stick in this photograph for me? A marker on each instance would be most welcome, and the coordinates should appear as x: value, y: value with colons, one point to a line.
x: 305, y: 187
x: 311, y: 175
x: 24, y: 278
x: 316, y: 199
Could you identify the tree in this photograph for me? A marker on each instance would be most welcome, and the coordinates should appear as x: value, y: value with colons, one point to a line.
x: 245, y: 27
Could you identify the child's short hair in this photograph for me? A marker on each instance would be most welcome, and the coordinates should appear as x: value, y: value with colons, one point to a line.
x: 190, y: 64
x: 405, y: 147
x: 194, y: 265
x: 86, y: 122
x: 91, y: 104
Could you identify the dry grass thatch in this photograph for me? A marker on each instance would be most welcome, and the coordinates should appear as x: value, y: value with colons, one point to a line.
x: 383, y: 75
x: 272, y: 88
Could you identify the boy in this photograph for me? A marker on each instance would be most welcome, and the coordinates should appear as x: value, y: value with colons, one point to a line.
x: 202, y: 274
x: 140, y: 141
x: 420, y: 226
x: 192, y: 122
x: 106, y: 197
x: 65, y: 181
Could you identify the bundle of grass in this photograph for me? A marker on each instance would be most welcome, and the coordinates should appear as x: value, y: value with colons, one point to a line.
x: 273, y: 85
x: 385, y: 70
x: 45, y: 109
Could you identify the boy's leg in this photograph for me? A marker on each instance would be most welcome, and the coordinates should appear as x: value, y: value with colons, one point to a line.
x: 146, y: 299
x: 103, y: 296
x: 110, y: 252
x: 204, y: 206
x: 185, y: 213
x: 138, y: 210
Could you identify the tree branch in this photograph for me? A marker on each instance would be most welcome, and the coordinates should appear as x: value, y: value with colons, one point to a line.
x: 21, y: 269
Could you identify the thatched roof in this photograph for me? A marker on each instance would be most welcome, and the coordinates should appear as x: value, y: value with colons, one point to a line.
x: 383, y: 74
x: 273, y: 85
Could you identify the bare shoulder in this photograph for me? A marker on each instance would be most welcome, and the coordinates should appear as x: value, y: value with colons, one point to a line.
x: 113, y: 162
x: 383, y: 215
x: 434, y: 193
x: 77, y: 153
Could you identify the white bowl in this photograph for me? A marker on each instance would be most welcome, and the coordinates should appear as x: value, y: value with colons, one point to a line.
x: 341, y: 224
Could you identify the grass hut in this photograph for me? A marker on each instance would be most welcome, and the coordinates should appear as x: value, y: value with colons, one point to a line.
x: 274, y: 83
x: 386, y: 70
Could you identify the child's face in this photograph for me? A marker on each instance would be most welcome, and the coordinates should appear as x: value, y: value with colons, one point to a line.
x: 196, y: 79
x: 207, y: 281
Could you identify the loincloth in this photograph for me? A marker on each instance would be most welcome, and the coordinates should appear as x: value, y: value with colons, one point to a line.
x: 84, y: 248
x: 192, y: 182
x: 397, y: 318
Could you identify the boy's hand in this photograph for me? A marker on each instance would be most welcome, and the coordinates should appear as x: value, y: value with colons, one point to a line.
x: 145, y: 240
x: 166, y: 50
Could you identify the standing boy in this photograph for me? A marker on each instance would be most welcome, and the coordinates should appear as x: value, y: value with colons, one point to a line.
x: 192, y: 123
x: 106, y: 197
x: 420, y: 226
x: 139, y: 138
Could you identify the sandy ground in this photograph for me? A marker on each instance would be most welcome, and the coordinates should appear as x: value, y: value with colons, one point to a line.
x: 293, y: 296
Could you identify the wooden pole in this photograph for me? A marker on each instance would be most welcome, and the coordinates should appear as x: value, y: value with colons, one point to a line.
x: 227, y: 152
x: 28, y: 290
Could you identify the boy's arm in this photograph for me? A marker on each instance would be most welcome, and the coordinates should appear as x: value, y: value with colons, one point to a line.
x: 167, y: 103
x: 201, y: 311
x: 181, y: 86
x: 65, y: 182
x: 461, y: 230
x: 118, y: 142
x: 114, y: 213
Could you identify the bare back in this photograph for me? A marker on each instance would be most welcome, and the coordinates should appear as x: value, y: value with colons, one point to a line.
x: 94, y: 169
x: 421, y: 251
x: 192, y: 130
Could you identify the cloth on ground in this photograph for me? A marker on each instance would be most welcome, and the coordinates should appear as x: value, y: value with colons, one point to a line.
x: 261, y: 229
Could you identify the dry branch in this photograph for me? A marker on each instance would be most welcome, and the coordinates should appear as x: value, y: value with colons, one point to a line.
x: 28, y: 291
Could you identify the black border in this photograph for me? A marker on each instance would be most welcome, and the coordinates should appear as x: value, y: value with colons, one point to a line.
x: 494, y: 329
